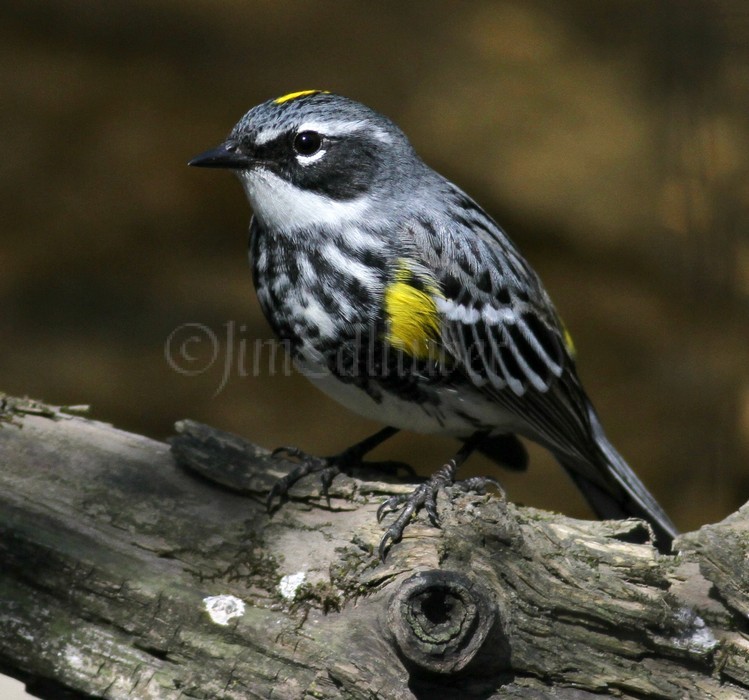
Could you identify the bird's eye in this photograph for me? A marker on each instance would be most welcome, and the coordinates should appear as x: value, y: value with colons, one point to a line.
x: 307, y: 143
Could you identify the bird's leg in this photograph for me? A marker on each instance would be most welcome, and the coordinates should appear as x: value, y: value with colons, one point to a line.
x: 327, y: 467
x: 425, y: 495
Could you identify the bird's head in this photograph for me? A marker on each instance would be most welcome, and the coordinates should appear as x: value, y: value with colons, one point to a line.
x: 314, y: 158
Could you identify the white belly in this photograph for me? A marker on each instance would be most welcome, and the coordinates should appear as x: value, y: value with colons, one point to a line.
x: 456, y: 414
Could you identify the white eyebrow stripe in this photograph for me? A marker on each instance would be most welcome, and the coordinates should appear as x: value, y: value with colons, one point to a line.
x: 345, y: 129
x: 336, y: 129
x: 328, y: 129
x: 268, y: 135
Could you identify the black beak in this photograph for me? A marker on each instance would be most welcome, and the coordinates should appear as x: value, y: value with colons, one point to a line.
x: 227, y: 155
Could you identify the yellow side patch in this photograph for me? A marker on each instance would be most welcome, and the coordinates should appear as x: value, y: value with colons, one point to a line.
x: 411, y: 314
x: 295, y: 95
x: 568, y: 342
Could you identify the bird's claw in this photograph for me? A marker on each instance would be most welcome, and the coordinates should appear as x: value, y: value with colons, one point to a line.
x: 419, y: 498
x: 387, y: 538
x: 424, y: 496
x: 478, y: 484
x: 390, y: 505
x: 306, y: 464
x: 294, y: 453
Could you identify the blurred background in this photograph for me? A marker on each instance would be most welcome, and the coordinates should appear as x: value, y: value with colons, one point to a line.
x: 609, y: 137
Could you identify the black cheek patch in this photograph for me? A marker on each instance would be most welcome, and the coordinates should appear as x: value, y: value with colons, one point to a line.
x: 277, y: 150
x: 345, y: 171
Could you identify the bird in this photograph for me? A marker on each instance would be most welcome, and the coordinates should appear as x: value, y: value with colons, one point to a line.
x: 400, y: 297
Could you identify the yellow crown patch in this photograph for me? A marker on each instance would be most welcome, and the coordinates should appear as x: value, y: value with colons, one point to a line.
x: 296, y: 95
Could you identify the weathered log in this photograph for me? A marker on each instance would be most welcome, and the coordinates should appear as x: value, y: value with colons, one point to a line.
x: 132, y: 570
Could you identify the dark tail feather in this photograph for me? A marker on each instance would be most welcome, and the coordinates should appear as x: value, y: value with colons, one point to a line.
x: 624, y: 495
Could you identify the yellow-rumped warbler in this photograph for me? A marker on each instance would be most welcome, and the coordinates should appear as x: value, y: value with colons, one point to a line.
x: 401, y: 298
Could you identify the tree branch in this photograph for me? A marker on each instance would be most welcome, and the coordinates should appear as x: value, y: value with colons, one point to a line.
x: 123, y: 575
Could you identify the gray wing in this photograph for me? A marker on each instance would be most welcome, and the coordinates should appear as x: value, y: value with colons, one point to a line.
x: 504, y: 335
x: 500, y: 327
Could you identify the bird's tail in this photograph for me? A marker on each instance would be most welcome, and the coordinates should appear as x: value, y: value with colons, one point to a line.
x: 624, y: 495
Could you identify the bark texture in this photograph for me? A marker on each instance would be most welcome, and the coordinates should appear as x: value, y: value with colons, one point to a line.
x: 130, y: 568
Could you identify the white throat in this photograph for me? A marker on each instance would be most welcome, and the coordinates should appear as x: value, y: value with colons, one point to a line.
x: 280, y: 205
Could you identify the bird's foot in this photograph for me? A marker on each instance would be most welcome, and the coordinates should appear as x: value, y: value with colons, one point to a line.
x: 327, y: 467
x: 425, y: 496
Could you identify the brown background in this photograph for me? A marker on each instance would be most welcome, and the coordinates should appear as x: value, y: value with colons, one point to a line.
x: 610, y: 137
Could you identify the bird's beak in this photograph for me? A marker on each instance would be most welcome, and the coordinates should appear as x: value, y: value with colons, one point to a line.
x: 227, y: 155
